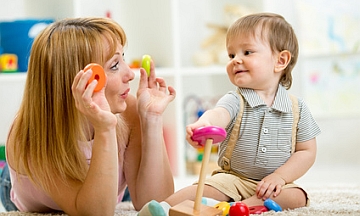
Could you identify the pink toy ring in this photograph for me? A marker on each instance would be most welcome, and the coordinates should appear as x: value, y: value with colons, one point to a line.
x: 217, y: 134
x: 257, y: 209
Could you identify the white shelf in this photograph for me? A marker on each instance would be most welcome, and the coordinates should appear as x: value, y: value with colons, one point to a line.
x: 12, y: 77
x: 11, y: 90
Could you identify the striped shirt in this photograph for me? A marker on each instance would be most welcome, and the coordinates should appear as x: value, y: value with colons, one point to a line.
x: 264, y: 141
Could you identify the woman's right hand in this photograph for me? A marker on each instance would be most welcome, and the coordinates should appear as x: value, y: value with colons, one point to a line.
x: 93, y: 105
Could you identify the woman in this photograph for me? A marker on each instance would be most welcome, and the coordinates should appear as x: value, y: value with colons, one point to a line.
x: 75, y: 150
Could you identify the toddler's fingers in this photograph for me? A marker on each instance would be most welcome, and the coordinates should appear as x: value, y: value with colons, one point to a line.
x: 277, y: 190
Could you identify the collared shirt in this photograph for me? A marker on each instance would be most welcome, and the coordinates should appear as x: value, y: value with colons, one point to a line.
x: 264, y: 142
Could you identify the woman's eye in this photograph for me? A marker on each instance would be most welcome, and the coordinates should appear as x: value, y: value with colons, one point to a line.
x: 115, y: 66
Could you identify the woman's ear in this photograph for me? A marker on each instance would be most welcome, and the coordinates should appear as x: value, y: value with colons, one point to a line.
x: 283, y: 60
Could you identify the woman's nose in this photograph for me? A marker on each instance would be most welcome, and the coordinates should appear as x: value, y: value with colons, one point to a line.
x: 129, y: 74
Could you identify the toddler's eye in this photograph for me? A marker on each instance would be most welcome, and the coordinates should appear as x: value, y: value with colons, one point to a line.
x: 247, y: 52
x: 231, y: 56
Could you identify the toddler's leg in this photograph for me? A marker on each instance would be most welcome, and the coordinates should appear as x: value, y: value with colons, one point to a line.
x: 289, y: 198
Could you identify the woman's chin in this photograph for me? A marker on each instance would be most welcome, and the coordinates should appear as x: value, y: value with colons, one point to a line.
x: 119, y: 108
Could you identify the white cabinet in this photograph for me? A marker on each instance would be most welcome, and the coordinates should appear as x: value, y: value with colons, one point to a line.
x: 171, y: 31
x: 11, y: 90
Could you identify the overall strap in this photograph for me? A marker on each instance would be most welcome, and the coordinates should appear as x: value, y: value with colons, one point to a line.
x: 296, y: 116
x: 233, y: 136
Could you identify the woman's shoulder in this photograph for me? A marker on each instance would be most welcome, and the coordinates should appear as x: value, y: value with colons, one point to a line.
x: 10, y: 152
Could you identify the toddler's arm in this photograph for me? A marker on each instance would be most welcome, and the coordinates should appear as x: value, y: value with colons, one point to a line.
x: 216, y: 117
x: 297, y: 165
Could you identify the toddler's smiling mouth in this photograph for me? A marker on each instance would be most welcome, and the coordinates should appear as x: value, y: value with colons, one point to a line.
x: 240, y: 71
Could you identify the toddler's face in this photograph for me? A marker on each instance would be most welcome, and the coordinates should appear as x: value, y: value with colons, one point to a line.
x: 252, y: 62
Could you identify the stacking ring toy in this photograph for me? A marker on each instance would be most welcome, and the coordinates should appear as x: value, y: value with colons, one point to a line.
x: 272, y: 205
x: 201, y: 134
x: 98, y: 74
x: 205, y: 136
x: 257, y: 209
x: 145, y: 63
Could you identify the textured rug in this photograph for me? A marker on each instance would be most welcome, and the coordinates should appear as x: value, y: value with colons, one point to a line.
x: 331, y: 199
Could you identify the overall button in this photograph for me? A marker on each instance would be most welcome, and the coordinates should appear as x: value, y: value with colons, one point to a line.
x: 266, y: 130
x: 263, y: 149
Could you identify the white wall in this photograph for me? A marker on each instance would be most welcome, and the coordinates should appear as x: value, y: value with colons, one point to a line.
x: 338, y: 143
x: 12, y: 9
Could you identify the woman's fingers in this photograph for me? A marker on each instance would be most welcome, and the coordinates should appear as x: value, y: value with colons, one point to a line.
x: 81, y: 91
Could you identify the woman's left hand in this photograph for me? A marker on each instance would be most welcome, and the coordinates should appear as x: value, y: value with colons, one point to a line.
x: 152, y: 93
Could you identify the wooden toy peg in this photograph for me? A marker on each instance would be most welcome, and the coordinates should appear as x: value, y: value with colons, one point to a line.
x: 207, y: 135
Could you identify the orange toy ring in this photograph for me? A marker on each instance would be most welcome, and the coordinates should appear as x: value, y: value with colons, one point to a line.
x: 98, y: 73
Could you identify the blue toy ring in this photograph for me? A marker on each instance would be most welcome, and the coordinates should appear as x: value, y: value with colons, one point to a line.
x: 272, y: 205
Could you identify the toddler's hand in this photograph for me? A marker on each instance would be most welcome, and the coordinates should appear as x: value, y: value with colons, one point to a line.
x: 270, y: 185
x: 189, y: 132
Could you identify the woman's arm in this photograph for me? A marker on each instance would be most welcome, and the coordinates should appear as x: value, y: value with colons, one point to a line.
x: 147, y: 168
x: 97, y: 195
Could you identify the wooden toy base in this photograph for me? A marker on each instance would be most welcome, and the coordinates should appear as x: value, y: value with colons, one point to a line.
x: 187, y: 208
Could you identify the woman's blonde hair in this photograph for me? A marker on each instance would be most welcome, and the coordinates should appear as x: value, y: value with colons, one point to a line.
x: 276, y: 31
x: 48, y: 129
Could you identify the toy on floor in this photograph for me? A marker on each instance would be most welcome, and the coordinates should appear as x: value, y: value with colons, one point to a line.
x: 145, y: 63
x: 257, y: 209
x: 241, y: 209
x: 98, y: 73
x: 204, y: 135
x: 272, y: 205
x: 224, y: 206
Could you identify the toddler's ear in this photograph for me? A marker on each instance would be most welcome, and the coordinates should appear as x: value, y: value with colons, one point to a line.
x: 283, y: 60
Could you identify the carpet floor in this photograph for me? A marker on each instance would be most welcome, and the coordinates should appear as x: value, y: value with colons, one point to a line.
x: 328, y: 199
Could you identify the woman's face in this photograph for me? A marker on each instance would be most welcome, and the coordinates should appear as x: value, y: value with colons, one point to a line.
x: 118, y: 76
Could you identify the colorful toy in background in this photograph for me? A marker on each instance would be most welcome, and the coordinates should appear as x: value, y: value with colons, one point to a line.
x: 8, y: 63
x: 194, y: 107
x: 241, y: 209
x: 16, y: 37
x: 2, y: 157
